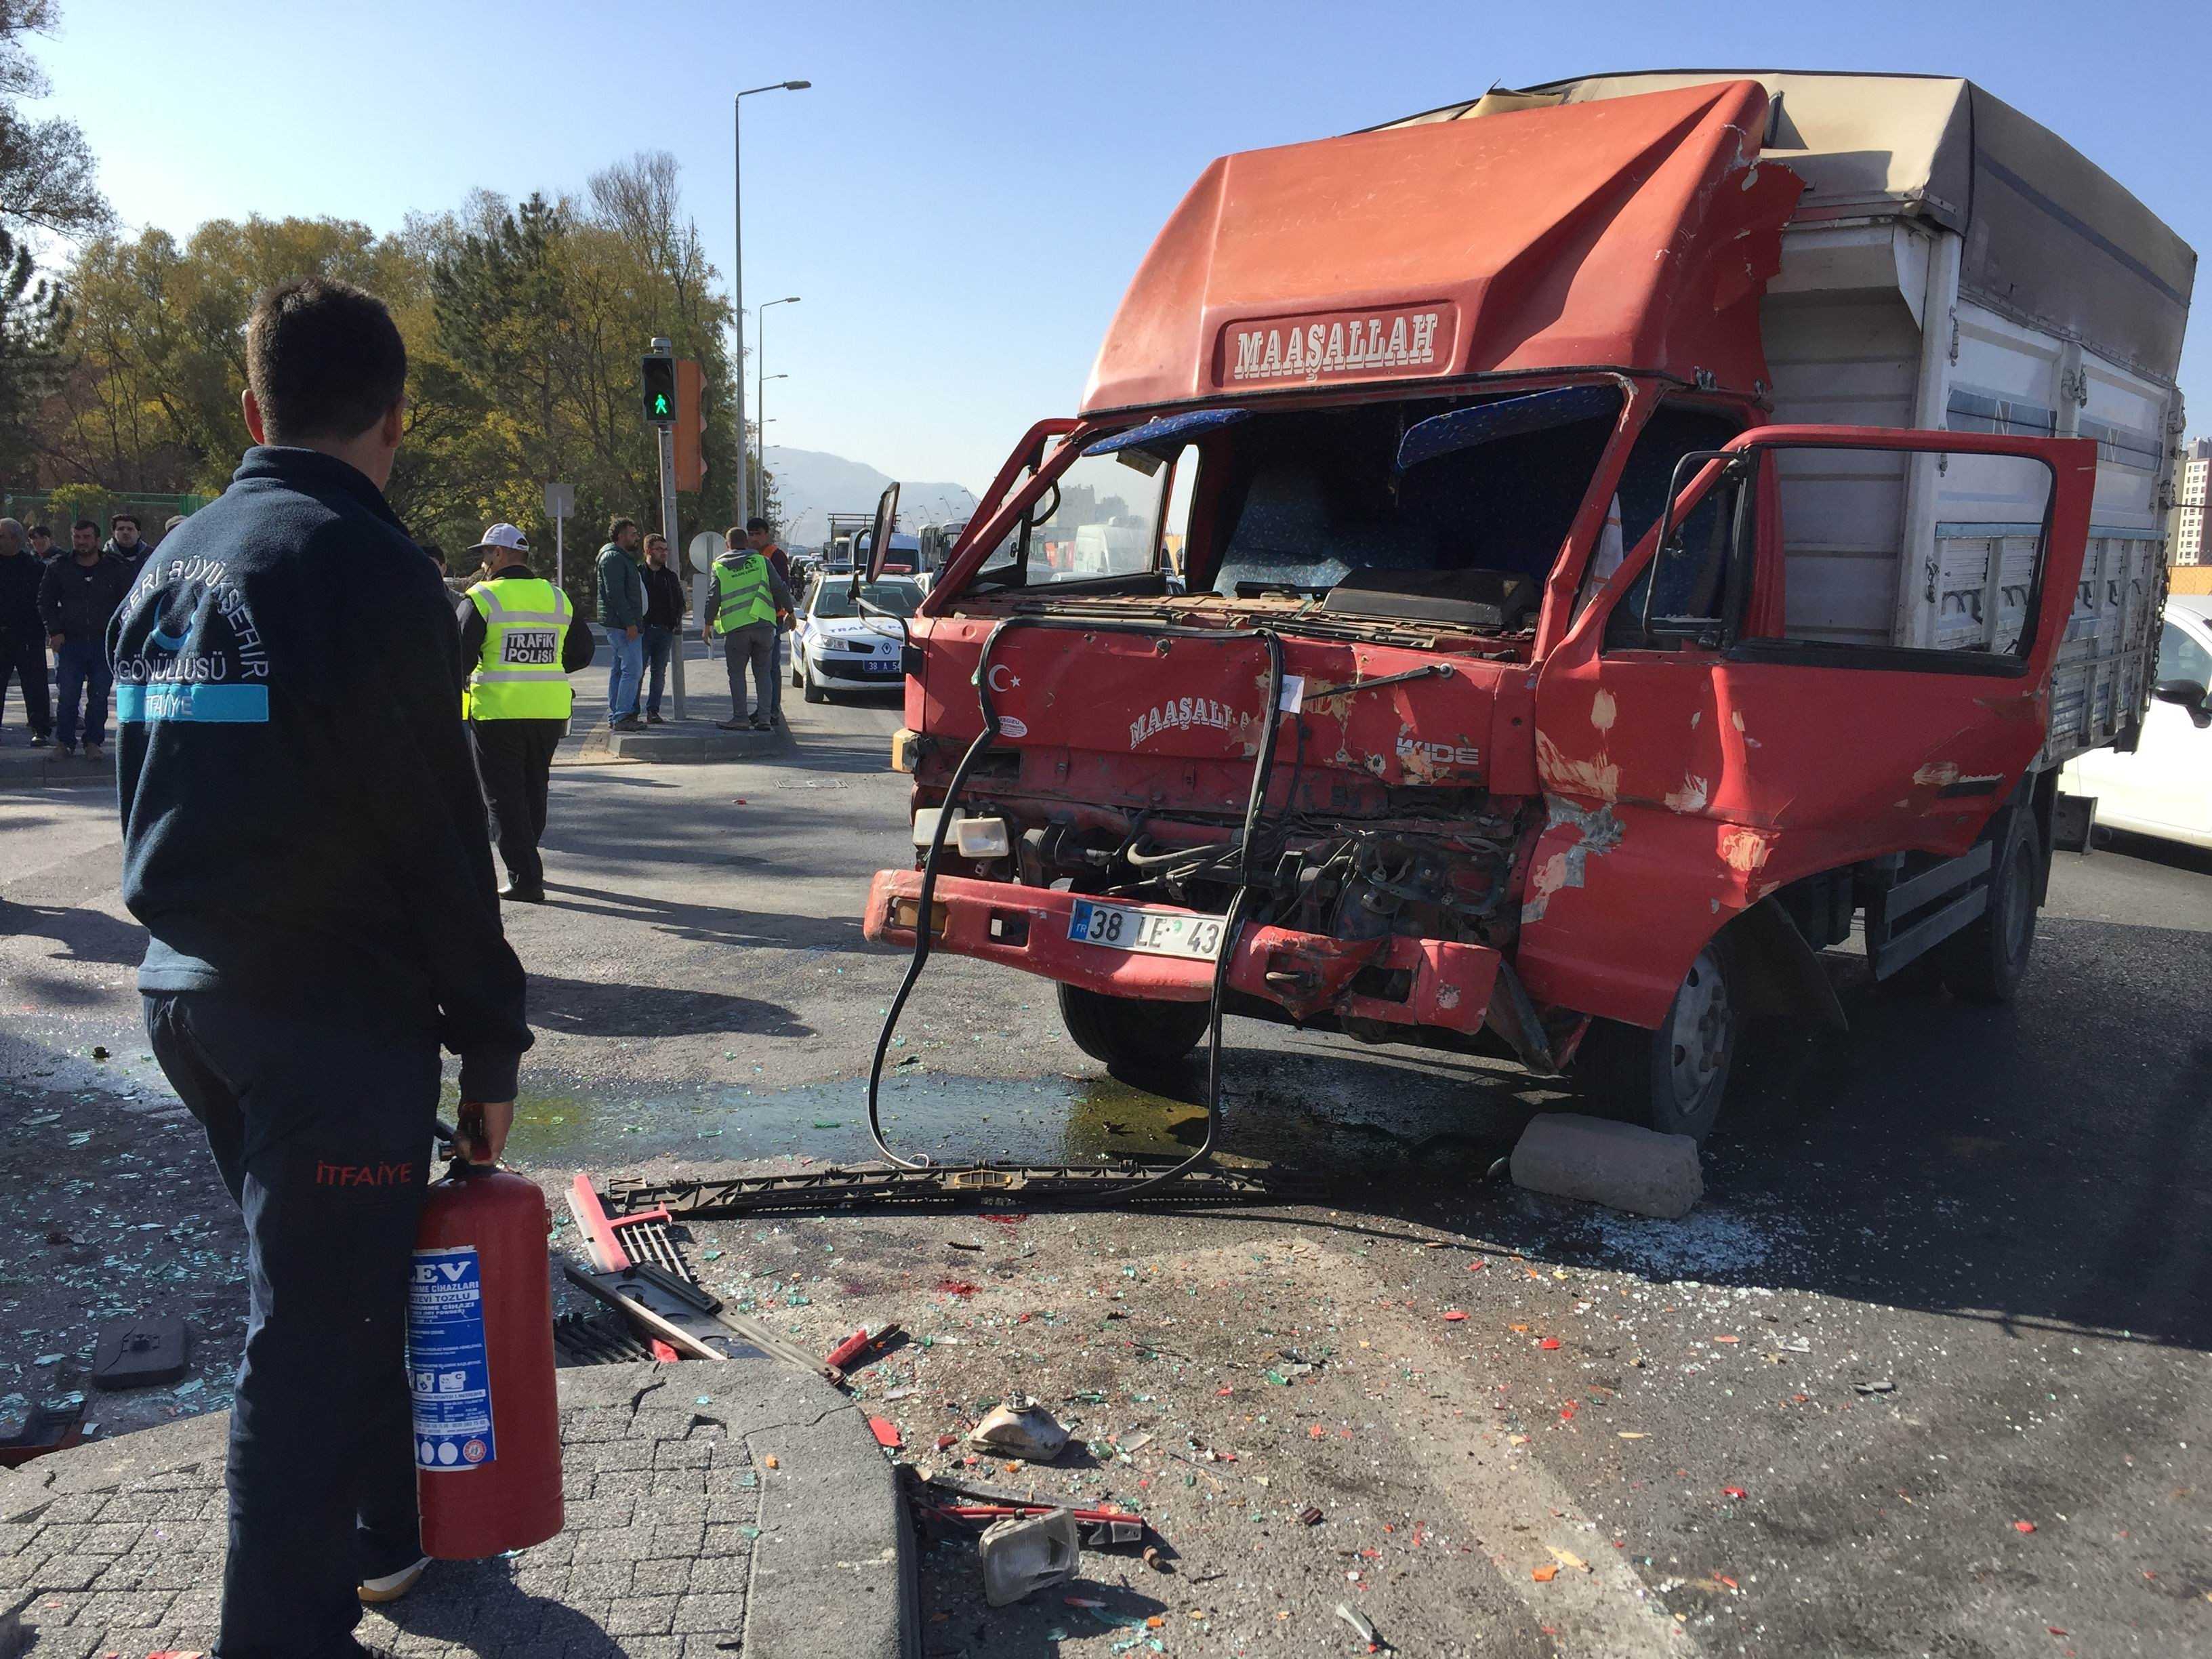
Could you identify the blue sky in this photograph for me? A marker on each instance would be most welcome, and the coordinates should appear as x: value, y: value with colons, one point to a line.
x: 963, y: 195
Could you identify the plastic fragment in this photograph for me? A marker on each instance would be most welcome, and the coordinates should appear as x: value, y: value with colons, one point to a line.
x: 1545, y: 1574
x: 1021, y: 1429
x: 1358, y: 1621
x: 2023, y: 1526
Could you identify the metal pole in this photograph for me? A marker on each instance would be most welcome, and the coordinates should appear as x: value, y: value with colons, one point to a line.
x: 738, y: 293
x: 668, y: 528
x: 760, y: 404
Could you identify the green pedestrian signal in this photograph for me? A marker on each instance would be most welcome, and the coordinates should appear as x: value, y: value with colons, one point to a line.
x: 658, y: 375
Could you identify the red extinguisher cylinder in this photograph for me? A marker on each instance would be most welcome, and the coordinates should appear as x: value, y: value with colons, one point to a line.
x: 480, y: 1363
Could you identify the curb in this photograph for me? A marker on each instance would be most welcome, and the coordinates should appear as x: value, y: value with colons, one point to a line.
x: 106, y: 1465
x: 693, y: 742
x: 831, y: 1571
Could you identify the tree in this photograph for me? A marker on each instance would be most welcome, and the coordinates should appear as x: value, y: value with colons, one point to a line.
x: 539, y: 314
x: 46, y: 171
x: 523, y: 325
x: 31, y: 321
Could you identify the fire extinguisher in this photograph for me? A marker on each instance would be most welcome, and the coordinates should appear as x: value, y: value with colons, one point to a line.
x: 480, y: 1363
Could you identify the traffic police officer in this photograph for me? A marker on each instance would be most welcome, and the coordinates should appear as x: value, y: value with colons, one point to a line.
x: 518, y: 648
x: 749, y: 598
x: 303, y: 837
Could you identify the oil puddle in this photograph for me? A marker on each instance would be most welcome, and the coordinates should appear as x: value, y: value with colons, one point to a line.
x: 1295, y: 1111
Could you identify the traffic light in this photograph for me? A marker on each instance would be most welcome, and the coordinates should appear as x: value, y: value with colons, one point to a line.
x: 657, y: 376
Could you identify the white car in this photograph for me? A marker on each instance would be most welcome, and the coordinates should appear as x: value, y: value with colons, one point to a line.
x: 838, y: 647
x: 2164, y: 788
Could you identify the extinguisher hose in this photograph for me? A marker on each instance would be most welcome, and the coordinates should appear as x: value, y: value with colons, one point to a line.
x: 1232, y: 922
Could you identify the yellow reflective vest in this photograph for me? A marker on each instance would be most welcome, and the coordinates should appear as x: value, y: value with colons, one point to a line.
x: 518, y: 676
x: 742, y: 595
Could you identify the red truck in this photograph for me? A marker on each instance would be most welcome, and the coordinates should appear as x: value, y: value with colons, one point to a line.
x: 1634, y: 532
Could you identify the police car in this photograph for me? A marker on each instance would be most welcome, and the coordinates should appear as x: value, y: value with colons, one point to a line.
x: 839, y: 648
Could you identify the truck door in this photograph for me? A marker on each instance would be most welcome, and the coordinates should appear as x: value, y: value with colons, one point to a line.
x: 1845, y: 653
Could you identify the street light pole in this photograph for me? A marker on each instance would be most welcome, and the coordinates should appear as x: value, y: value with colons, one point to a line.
x: 738, y: 259
x: 760, y: 397
x: 760, y: 419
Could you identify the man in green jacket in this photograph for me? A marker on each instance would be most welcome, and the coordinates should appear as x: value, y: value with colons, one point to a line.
x: 622, y: 613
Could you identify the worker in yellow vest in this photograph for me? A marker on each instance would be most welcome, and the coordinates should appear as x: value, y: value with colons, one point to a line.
x: 750, y: 597
x: 519, y: 645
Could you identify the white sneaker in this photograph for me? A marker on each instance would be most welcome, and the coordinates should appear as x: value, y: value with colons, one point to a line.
x: 392, y: 1585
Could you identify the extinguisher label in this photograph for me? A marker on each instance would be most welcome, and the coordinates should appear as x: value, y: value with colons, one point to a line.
x: 446, y: 1360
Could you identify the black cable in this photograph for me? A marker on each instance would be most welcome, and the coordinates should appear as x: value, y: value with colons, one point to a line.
x: 1262, y: 768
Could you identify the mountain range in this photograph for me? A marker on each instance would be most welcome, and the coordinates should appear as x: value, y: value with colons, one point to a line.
x: 812, y: 484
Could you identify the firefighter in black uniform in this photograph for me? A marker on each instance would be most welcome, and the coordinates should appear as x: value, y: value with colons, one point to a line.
x: 303, y: 837
x: 520, y: 643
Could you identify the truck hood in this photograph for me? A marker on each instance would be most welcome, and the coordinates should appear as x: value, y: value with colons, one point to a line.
x: 1635, y: 232
x: 1129, y: 720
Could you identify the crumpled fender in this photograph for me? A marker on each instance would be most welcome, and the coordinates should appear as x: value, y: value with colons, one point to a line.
x: 1621, y: 897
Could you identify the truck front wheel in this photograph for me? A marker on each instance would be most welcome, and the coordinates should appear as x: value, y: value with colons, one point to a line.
x: 1134, y: 1032
x: 1985, y: 961
x: 1671, y: 1079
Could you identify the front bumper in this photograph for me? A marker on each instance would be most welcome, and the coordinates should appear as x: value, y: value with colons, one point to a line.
x: 1309, y: 975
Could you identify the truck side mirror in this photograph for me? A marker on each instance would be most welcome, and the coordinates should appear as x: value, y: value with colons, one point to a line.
x: 880, y: 546
x: 2189, y: 695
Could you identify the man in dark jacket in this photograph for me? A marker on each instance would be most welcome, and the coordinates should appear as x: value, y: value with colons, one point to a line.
x: 22, y: 634
x: 663, y: 622
x: 77, y: 597
x: 124, y: 542
x: 622, y: 613
x: 304, y: 839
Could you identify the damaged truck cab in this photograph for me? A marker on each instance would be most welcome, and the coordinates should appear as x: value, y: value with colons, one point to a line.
x: 1625, y: 532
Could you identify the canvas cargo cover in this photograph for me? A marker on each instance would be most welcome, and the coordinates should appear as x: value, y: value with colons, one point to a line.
x: 2049, y: 237
x: 1634, y: 232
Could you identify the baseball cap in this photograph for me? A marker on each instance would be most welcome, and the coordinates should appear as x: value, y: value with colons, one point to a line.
x: 503, y: 535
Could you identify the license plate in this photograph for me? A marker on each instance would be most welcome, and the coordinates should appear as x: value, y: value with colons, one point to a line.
x: 880, y: 665
x: 1156, y: 933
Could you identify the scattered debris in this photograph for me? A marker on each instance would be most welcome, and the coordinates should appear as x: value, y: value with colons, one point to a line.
x: 1545, y: 1574
x: 37, y: 1430
x: 1155, y: 1561
x: 1358, y: 1621
x: 1883, y: 1386
x: 1023, y: 1430
x: 1027, y: 1553
x: 1310, y: 1516
x: 886, y: 1432
x: 139, y: 1353
x: 842, y: 1356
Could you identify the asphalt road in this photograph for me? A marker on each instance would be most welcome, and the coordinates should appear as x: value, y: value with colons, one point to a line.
x: 2003, y: 1216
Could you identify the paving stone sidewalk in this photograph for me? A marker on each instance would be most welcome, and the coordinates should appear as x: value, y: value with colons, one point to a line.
x: 680, y: 1542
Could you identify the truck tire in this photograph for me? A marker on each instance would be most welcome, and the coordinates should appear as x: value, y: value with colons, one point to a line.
x: 1671, y: 1079
x: 1135, y: 1032
x: 1985, y: 961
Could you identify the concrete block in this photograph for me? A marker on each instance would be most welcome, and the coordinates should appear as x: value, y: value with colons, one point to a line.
x: 1620, y: 1165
